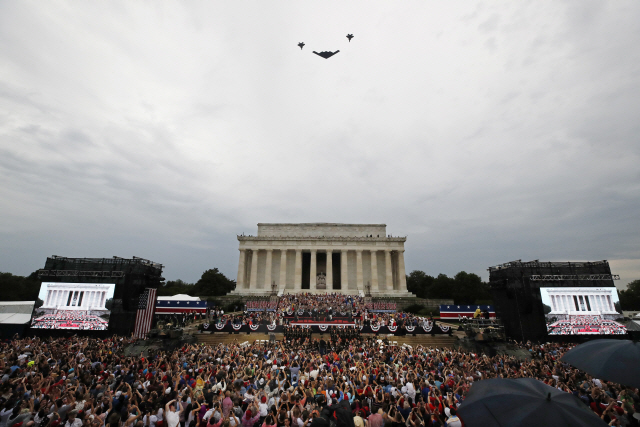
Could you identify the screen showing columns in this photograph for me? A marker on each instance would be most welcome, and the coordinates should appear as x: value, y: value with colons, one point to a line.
x: 321, y: 258
x: 73, y: 306
x: 581, y: 310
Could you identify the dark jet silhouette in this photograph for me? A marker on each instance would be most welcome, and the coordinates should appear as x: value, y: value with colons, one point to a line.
x: 301, y: 45
x: 325, y: 54
x: 349, y: 36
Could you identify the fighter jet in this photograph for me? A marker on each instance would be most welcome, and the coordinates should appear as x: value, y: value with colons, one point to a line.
x: 349, y: 36
x: 300, y: 45
x: 325, y: 54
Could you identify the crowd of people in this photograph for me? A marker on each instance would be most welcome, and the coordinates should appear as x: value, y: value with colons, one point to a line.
x: 320, y: 303
x: 70, y: 319
x: 86, y: 382
x: 392, y: 306
x: 261, y: 305
x: 340, y: 338
x: 583, y: 324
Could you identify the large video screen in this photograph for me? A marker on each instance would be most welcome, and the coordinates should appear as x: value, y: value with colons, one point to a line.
x: 582, y: 311
x: 79, y: 306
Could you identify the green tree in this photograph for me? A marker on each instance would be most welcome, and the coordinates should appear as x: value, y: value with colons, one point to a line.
x: 630, y: 297
x: 213, y: 283
x: 463, y: 288
x: 470, y: 289
x: 174, y: 287
x: 19, y: 288
x: 418, y: 283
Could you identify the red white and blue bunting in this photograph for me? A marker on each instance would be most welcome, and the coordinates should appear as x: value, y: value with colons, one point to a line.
x: 426, y: 327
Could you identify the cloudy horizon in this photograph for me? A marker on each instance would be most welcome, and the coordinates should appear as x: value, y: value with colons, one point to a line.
x: 485, y: 132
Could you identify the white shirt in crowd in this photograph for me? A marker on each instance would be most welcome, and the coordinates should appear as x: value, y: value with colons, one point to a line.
x: 173, y: 418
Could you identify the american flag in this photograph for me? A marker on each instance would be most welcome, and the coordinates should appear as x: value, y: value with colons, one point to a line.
x: 144, y: 316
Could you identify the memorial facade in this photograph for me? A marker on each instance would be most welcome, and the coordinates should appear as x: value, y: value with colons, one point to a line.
x: 582, y: 301
x: 75, y: 296
x: 322, y: 258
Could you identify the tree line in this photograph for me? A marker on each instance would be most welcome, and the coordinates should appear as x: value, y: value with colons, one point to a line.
x: 212, y: 283
x: 463, y: 288
x: 630, y: 297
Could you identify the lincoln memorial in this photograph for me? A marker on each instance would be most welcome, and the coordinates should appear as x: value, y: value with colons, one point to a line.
x: 320, y: 258
x: 581, y: 301
x: 75, y: 296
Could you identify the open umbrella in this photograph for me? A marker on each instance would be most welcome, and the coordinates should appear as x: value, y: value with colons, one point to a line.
x: 611, y: 360
x: 523, y: 402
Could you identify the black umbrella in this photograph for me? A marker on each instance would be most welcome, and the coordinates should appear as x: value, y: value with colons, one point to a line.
x: 523, y: 402
x: 611, y: 360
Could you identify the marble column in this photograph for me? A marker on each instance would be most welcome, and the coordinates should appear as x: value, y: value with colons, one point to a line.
x: 253, y: 280
x: 267, y: 271
x: 388, y: 270
x: 241, y: 282
x: 359, y: 279
x: 553, y: 305
x: 313, y: 271
x: 401, y: 273
x: 297, y: 280
x: 374, y: 272
x: 344, y: 273
x: 283, y: 269
x: 329, y: 265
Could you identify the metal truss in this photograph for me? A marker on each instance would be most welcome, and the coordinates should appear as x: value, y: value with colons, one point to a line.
x: 560, y: 277
x: 80, y: 273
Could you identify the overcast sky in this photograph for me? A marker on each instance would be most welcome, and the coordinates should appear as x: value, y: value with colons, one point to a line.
x: 484, y: 132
